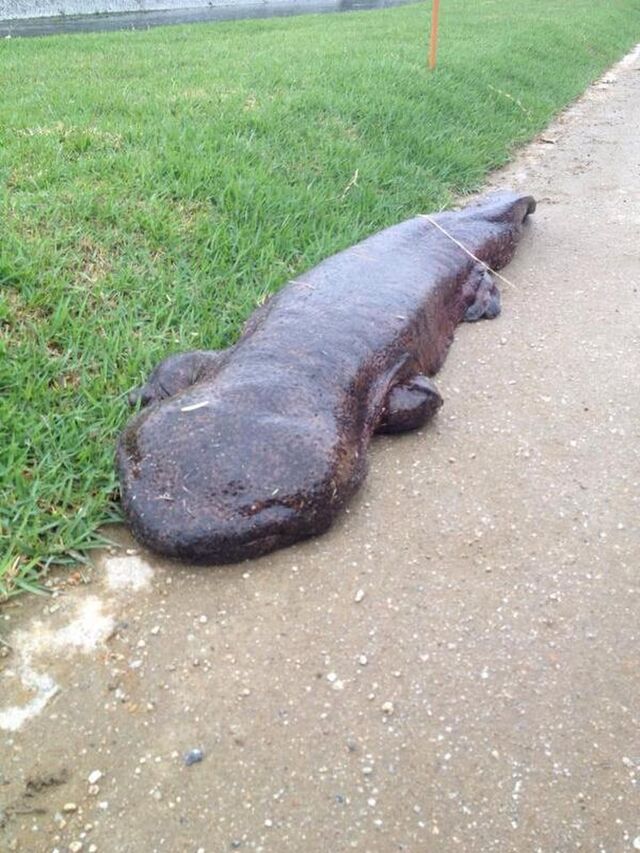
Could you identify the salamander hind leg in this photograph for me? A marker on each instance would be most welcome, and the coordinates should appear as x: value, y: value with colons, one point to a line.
x: 410, y: 405
x: 486, y: 303
x: 174, y: 374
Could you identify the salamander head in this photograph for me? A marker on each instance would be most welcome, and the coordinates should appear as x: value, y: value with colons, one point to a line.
x: 220, y: 481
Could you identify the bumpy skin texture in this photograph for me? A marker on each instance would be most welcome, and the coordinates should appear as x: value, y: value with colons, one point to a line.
x: 253, y: 448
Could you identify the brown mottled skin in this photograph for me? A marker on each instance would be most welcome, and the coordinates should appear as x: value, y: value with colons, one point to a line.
x: 255, y: 447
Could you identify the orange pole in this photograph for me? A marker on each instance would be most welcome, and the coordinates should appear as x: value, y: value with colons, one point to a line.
x: 433, y: 45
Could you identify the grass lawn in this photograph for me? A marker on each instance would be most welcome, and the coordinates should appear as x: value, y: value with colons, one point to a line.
x: 154, y: 186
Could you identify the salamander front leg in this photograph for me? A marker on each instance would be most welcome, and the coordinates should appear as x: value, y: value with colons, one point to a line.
x: 410, y: 405
x: 174, y: 374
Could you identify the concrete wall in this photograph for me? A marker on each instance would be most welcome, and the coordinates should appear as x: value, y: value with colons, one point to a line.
x: 12, y: 9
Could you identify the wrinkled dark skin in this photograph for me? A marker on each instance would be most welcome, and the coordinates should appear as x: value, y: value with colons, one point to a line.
x: 253, y: 448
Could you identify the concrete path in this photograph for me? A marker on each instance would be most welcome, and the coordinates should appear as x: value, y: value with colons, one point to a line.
x: 453, y: 667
